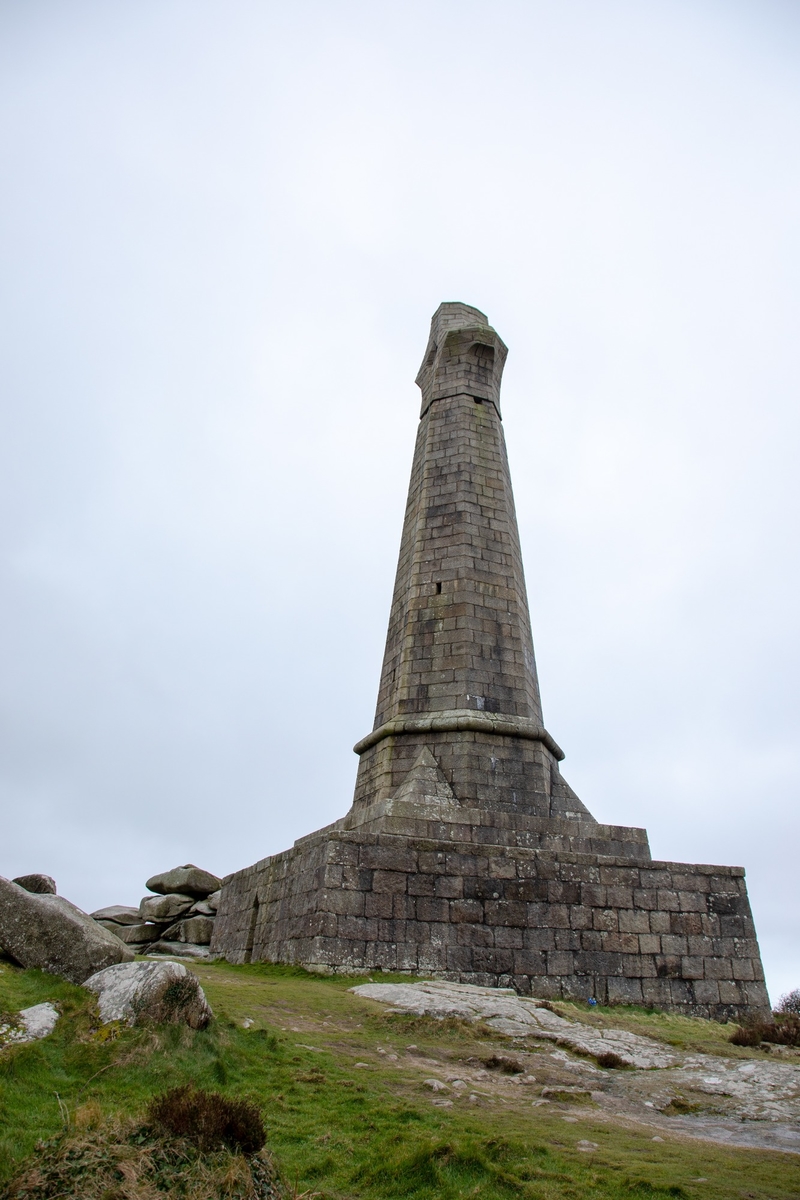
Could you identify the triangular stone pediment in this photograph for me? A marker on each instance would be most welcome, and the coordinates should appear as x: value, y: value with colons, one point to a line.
x: 425, y: 785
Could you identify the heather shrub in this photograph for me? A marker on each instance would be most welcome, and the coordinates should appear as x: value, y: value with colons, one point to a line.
x: 746, y: 1035
x: 209, y: 1119
x: 610, y: 1060
x: 783, y: 1031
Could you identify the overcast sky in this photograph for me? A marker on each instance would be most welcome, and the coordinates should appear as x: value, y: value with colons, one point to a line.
x: 225, y: 228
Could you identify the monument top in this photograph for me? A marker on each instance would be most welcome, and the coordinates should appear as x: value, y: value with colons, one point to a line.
x: 464, y: 356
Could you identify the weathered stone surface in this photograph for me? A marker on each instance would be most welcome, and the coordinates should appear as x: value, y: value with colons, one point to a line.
x: 190, y: 880
x: 197, y: 930
x: 165, y: 908
x: 517, y: 1016
x: 41, y: 884
x: 465, y: 853
x: 213, y: 900
x: 156, y: 993
x: 180, y: 950
x: 30, y: 1024
x: 48, y: 932
x: 202, y: 909
x: 134, y: 935
x: 120, y: 914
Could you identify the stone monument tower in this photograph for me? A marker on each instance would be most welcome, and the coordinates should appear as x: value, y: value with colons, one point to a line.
x: 465, y: 852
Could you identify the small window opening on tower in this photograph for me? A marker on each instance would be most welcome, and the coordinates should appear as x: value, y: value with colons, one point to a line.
x: 439, y: 588
x: 478, y: 399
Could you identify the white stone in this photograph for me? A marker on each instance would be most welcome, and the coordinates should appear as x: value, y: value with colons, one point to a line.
x: 159, y: 992
x: 35, y: 1022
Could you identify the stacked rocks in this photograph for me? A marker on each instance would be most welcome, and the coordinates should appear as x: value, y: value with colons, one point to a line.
x: 178, y: 920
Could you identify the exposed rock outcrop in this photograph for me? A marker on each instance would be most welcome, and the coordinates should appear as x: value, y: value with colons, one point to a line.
x: 178, y: 920
x: 517, y: 1016
x: 48, y: 932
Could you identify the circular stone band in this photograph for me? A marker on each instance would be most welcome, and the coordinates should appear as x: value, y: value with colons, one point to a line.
x: 456, y: 720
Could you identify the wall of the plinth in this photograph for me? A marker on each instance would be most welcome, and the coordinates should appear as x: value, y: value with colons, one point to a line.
x: 671, y: 935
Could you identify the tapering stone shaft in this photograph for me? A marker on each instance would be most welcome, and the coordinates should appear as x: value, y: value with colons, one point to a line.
x: 459, y: 653
x: 459, y: 632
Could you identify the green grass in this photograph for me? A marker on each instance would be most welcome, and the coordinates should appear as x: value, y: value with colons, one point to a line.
x: 338, y: 1130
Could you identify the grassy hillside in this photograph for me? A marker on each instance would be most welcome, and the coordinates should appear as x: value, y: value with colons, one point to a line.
x: 347, y: 1111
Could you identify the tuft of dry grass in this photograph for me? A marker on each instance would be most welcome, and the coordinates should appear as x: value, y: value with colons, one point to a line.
x: 123, y: 1160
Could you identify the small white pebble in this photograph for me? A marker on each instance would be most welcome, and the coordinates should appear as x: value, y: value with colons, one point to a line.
x: 247, y: 1022
x: 587, y: 1147
x: 392, y: 1057
x: 411, y: 1047
x: 656, y: 1139
x: 571, y: 1120
x: 360, y: 1064
x: 538, y: 1103
x: 649, y: 1104
x: 435, y: 1085
x: 473, y: 1099
x: 458, y: 1084
x: 443, y: 1103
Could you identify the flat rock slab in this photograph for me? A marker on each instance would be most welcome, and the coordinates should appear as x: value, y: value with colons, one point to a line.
x: 121, y: 914
x: 188, y: 879
x: 48, y: 932
x: 134, y: 935
x: 517, y: 1016
x: 181, y: 950
x: 31, y: 1024
x: 166, y: 908
x: 150, y: 992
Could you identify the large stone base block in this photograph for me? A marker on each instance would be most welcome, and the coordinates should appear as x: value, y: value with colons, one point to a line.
x: 555, y: 925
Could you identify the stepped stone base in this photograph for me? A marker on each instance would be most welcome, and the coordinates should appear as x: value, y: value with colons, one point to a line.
x: 559, y: 924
